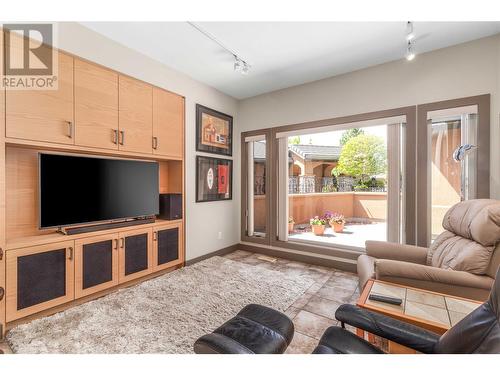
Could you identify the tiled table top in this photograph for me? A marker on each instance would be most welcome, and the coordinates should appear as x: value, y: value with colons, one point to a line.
x: 439, y: 310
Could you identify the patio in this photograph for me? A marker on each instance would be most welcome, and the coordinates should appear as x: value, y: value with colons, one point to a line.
x: 354, y: 234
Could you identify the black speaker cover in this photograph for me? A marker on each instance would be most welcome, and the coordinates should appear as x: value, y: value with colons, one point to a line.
x: 97, y: 263
x: 41, y: 277
x: 136, y: 253
x: 168, y: 245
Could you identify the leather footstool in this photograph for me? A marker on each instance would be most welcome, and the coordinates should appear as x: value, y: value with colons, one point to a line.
x: 255, y: 330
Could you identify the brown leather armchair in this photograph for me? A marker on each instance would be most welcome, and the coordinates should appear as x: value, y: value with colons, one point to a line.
x: 462, y: 261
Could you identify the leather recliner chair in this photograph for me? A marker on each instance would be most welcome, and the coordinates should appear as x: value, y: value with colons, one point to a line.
x: 462, y: 261
x: 477, y: 333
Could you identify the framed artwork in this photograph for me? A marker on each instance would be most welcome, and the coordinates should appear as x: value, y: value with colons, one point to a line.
x: 214, y: 179
x: 214, y: 131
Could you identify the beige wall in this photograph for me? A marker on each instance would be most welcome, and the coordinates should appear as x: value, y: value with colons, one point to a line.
x: 468, y: 69
x: 203, y: 220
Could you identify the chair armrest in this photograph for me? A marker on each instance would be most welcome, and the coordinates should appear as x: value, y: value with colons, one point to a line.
x: 392, y: 329
x: 396, y: 251
x: 385, y: 268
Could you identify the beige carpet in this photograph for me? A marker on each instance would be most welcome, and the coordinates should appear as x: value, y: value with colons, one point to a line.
x: 163, y: 315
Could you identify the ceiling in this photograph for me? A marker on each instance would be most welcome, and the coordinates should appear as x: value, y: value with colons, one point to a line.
x: 282, y: 54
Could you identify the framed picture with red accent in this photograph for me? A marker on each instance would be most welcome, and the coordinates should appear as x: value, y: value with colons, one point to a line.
x: 214, y: 179
x: 214, y: 131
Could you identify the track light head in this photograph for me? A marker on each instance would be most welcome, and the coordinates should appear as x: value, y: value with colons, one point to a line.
x: 410, y: 53
x: 241, y: 66
x: 410, y: 35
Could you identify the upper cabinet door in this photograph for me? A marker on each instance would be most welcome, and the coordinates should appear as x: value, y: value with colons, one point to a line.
x: 168, y: 123
x: 43, y: 115
x: 135, y: 115
x: 96, y: 106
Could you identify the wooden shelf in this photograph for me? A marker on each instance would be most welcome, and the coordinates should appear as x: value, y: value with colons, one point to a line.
x: 27, y: 241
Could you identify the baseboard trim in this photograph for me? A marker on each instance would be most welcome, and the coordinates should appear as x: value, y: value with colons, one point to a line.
x: 338, y: 263
x: 219, y: 252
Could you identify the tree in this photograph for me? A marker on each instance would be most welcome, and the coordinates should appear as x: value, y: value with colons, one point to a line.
x: 350, y: 133
x: 294, y: 141
x: 363, y: 156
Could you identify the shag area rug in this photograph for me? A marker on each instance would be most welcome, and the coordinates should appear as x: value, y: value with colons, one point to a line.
x: 162, y: 315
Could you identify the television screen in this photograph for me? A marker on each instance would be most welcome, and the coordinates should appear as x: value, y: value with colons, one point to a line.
x: 77, y: 190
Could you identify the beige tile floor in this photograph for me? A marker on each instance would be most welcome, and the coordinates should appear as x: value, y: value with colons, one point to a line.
x: 314, y: 311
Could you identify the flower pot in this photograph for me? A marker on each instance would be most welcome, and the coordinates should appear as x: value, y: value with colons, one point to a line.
x: 290, y: 227
x: 337, y: 228
x: 318, y: 230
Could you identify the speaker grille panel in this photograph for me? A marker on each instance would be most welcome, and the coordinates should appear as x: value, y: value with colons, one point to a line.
x: 168, y: 245
x: 136, y: 253
x: 97, y: 263
x: 41, y: 277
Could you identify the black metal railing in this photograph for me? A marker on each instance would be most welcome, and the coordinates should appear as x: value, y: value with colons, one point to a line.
x: 313, y: 184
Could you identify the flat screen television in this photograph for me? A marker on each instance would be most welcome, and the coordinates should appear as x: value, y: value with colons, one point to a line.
x: 79, y: 190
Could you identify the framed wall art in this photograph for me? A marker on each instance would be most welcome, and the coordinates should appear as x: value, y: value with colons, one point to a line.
x: 214, y: 131
x: 214, y: 179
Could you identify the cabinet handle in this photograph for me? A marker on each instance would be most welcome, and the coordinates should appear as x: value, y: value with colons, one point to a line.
x: 70, y: 253
x: 155, y: 236
x: 122, y: 137
x: 2, y: 292
x: 116, y: 243
x: 1, y: 253
x: 155, y: 143
x: 122, y: 242
x: 70, y: 129
x: 115, y: 136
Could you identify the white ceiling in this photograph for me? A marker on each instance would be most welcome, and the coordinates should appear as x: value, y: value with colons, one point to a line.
x: 282, y: 54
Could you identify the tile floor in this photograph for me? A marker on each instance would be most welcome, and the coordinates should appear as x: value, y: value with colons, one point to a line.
x: 314, y: 311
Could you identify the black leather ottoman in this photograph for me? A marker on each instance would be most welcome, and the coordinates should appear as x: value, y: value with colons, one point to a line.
x: 255, y: 330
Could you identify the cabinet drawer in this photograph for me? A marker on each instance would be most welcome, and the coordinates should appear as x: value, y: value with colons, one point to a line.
x: 39, y: 278
x: 167, y: 246
x: 96, y: 264
x: 135, y: 254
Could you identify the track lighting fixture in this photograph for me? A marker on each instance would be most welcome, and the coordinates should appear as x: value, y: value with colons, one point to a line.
x: 410, y: 35
x: 240, y: 65
x: 410, y: 54
x: 410, y: 39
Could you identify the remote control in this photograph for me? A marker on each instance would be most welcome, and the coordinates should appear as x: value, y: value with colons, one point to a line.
x: 391, y: 300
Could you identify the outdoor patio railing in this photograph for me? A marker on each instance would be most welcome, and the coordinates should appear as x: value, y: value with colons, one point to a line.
x: 313, y: 184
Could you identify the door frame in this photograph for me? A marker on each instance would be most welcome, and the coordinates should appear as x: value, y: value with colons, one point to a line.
x: 483, y: 156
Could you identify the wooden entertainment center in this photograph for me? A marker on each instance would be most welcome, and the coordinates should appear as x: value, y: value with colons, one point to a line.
x: 94, y: 111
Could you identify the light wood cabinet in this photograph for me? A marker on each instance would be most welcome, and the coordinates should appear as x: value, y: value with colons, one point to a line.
x: 96, y: 264
x: 168, y: 123
x: 96, y: 106
x: 44, y: 115
x: 39, y: 278
x: 135, y: 115
x: 167, y: 246
x: 135, y: 254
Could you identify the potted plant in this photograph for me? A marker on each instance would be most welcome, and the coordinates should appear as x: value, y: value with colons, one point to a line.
x: 327, y: 216
x: 291, y: 223
x: 337, y: 222
x: 318, y: 225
